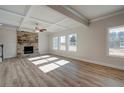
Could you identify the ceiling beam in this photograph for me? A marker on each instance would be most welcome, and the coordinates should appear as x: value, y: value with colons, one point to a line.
x: 22, y: 16
x: 26, y: 16
x: 69, y: 12
x: 40, y: 21
x: 11, y: 13
x: 57, y: 24
x: 76, y: 12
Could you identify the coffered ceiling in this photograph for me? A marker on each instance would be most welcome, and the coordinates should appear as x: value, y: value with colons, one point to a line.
x: 95, y: 11
x: 52, y: 18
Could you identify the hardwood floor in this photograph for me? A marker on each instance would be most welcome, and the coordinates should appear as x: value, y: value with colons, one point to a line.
x: 55, y: 71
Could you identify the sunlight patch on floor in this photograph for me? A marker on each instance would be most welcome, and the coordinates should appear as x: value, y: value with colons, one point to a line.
x: 38, y: 57
x: 45, y: 60
x: 40, y: 61
x: 62, y: 62
x: 52, y: 58
x: 52, y: 66
x: 49, y: 67
x: 51, y: 62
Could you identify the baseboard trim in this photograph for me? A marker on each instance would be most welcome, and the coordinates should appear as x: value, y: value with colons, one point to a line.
x: 93, y: 62
x: 103, y: 64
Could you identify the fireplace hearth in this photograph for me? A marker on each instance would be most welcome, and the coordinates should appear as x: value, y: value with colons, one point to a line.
x: 28, y: 49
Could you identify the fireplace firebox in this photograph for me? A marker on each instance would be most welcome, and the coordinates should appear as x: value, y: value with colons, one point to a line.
x: 28, y: 49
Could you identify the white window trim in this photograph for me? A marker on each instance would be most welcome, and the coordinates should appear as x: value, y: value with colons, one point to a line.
x: 57, y: 43
x: 107, y: 48
x: 60, y: 42
x: 68, y: 42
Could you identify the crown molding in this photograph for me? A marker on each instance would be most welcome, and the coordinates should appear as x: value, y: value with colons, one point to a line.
x: 107, y: 16
x: 76, y: 13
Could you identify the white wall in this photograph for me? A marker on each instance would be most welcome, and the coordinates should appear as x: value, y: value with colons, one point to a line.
x: 43, y: 42
x: 92, y: 43
x: 8, y: 39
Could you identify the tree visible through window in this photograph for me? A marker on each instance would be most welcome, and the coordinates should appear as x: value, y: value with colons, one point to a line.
x: 116, y: 41
x: 72, y: 42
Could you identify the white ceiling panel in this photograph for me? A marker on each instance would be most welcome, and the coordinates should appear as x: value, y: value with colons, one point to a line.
x: 41, y: 23
x: 50, y: 19
x: 94, y: 11
x: 19, y: 9
x: 8, y: 18
x: 32, y: 24
x: 26, y: 29
x: 69, y: 23
x: 55, y: 28
x: 47, y: 14
x: 28, y: 26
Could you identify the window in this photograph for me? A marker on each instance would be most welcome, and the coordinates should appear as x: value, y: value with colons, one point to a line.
x: 55, y: 43
x: 72, y: 42
x: 62, y: 43
x: 116, y: 41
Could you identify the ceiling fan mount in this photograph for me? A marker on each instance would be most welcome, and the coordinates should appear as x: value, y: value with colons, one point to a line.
x: 39, y: 29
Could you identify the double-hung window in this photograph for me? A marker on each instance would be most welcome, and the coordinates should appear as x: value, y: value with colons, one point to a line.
x: 72, y: 42
x: 116, y: 41
x: 62, y: 43
x: 55, y: 43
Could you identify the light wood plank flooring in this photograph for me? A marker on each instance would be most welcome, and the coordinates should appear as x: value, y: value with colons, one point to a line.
x: 55, y: 71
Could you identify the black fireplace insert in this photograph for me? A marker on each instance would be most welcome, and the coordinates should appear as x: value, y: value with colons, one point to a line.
x: 28, y: 49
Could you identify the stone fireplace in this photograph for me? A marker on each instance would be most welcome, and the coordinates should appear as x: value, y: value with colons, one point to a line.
x: 27, y: 44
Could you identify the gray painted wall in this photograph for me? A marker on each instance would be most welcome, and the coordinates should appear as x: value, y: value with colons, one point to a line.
x: 92, y: 42
x: 43, y: 42
x: 8, y: 39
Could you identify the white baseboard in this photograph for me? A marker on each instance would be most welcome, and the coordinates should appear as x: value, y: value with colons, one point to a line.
x: 103, y: 64
x: 94, y: 62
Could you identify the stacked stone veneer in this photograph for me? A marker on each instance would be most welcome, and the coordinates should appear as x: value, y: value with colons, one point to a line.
x: 26, y: 39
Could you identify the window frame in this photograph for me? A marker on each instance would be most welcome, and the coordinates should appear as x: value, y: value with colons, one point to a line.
x: 60, y: 42
x: 69, y: 42
x: 107, y: 40
x: 57, y: 43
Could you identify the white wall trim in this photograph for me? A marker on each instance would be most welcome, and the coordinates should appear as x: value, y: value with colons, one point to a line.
x: 103, y: 64
x: 107, y: 16
x: 93, y: 62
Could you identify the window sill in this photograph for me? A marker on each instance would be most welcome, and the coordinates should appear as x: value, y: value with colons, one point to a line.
x: 116, y: 56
